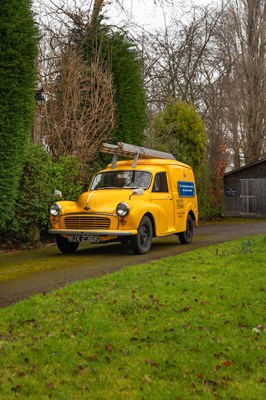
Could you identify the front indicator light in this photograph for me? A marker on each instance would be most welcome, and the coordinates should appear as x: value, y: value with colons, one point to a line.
x: 55, y: 209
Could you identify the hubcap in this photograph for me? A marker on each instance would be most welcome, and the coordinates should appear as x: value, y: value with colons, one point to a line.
x: 144, y: 235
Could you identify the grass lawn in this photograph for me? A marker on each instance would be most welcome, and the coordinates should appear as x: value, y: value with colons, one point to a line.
x: 186, y: 327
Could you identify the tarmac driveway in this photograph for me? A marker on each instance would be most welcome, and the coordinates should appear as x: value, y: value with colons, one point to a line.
x: 97, y: 260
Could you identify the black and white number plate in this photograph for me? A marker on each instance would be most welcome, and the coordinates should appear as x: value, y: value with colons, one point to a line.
x: 83, y: 238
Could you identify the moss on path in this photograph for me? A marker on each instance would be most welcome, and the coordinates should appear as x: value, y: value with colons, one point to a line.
x: 24, y: 273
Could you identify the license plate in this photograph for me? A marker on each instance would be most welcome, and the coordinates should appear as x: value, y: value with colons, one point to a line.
x: 83, y: 238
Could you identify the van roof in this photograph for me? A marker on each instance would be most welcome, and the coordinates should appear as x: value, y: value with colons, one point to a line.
x: 149, y: 162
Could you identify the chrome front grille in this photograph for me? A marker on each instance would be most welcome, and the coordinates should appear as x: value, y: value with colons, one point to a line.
x: 87, y: 222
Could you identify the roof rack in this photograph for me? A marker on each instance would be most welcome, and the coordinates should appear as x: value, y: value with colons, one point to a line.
x: 130, y: 150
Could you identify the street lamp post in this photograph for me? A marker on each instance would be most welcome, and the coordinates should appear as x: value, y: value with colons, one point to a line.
x: 40, y: 97
x: 40, y: 102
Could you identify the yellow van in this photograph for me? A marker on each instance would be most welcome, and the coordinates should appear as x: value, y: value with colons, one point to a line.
x: 151, y: 195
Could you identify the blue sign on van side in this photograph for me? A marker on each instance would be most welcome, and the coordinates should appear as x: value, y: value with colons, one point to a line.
x: 186, y: 189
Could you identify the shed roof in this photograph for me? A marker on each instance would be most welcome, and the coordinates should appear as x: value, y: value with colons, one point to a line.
x: 245, y: 167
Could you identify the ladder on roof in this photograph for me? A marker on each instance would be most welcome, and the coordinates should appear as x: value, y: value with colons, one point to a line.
x: 130, y: 150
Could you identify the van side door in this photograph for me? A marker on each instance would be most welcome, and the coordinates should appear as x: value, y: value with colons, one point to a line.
x: 162, y: 196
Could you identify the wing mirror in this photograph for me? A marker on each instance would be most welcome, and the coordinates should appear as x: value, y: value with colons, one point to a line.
x: 137, y: 192
x: 57, y: 194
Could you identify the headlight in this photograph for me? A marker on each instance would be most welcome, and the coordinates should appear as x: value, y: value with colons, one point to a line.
x: 122, y: 209
x: 55, y: 209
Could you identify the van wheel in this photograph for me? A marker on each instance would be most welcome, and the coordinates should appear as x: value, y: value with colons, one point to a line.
x: 141, y: 243
x: 186, y: 237
x: 65, y: 246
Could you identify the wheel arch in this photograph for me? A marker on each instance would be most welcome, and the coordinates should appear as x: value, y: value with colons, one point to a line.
x: 191, y: 213
x: 194, y: 216
x: 149, y: 215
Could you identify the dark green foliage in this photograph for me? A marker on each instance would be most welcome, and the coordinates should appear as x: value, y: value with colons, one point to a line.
x: 36, y: 186
x: 120, y: 55
x: 128, y: 89
x: 33, y: 198
x: 180, y: 130
x: 17, y: 80
x: 69, y: 177
x: 100, y: 162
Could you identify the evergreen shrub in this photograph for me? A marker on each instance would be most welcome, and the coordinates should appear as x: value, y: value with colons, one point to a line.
x: 40, y: 177
x: 180, y: 130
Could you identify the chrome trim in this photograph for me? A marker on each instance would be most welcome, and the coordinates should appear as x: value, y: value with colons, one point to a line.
x: 87, y: 222
x: 90, y: 213
x: 91, y: 232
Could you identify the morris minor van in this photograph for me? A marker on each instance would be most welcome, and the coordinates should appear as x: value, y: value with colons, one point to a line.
x: 150, y: 195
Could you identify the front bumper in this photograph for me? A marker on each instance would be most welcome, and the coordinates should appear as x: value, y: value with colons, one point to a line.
x: 92, y: 232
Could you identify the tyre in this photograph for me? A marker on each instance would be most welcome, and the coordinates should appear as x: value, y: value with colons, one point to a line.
x: 65, y: 246
x: 186, y: 237
x: 141, y: 243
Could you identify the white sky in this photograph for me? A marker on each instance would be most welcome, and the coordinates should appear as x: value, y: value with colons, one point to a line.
x: 149, y: 15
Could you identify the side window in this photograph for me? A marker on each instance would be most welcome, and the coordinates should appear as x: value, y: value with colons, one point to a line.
x: 160, y: 182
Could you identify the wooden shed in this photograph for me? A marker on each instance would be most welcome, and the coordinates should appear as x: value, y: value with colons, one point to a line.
x: 245, y: 191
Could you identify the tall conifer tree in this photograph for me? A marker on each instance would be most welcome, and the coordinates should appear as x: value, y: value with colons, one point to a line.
x: 129, y: 91
x: 17, y: 80
x: 121, y: 57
